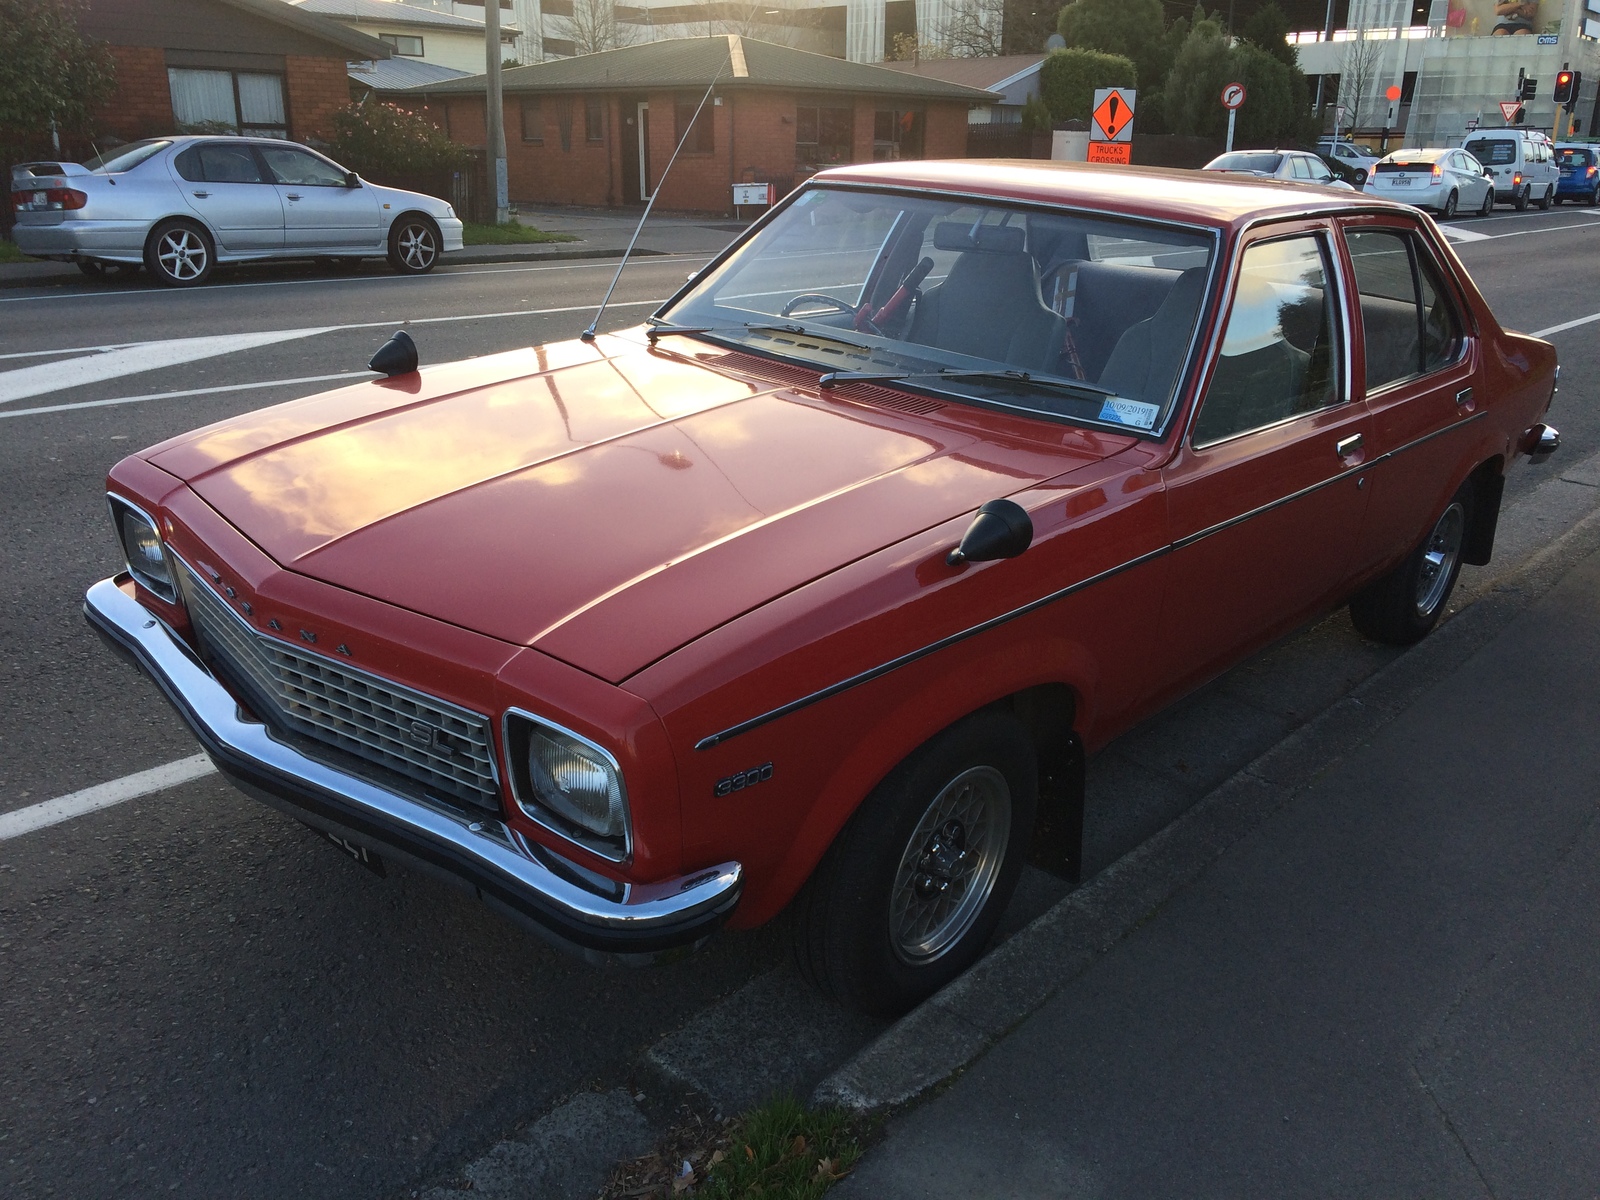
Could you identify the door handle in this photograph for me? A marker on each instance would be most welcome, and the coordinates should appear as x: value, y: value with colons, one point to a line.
x: 293, y: 196
x: 1464, y: 398
x: 202, y: 195
x: 1346, y: 447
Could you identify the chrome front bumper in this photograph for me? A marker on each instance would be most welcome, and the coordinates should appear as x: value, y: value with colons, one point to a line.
x: 575, y: 908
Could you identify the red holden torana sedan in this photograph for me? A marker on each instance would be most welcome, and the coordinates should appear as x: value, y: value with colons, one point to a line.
x: 814, y: 591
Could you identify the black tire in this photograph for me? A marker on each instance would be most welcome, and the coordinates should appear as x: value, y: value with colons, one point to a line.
x: 1487, y: 206
x: 1594, y: 197
x: 414, y: 244
x: 180, y: 253
x: 847, y: 938
x: 1449, y: 209
x: 1402, y: 606
x: 1544, y: 200
x: 1520, y: 201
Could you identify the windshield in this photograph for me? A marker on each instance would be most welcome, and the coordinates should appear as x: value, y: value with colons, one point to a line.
x: 1574, y: 158
x: 1493, y: 151
x: 1265, y: 163
x: 1099, y: 311
x: 124, y: 158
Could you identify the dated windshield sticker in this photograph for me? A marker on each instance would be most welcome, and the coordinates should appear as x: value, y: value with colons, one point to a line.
x: 1130, y: 412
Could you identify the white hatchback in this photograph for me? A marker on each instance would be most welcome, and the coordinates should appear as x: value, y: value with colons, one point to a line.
x: 1445, y: 181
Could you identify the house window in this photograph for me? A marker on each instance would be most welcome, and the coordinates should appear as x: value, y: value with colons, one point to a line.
x: 594, y: 119
x: 532, y: 120
x: 896, y: 134
x: 824, y: 135
x: 700, y: 140
x: 560, y: 47
x: 227, y: 102
x: 404, y: 44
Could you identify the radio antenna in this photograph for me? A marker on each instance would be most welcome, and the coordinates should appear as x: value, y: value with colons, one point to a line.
x: 588, y: 334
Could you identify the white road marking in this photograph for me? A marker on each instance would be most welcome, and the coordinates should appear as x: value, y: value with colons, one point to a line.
x: 487, y: 269
x: 69, y: 350
x: 103, y: 795
x: 1464, y: 235
x: 23, y: 382
x: 1566, y: 325
x: 1456, y: 234
x: 137, y: 357
x: 350, y: 376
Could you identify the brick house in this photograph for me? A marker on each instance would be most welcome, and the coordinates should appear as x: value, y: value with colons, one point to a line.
x: 599, y: 129
x: 250, y: 66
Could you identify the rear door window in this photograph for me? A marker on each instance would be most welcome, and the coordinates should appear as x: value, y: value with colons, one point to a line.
x: 1409, y: 320
x: 1497, y: 152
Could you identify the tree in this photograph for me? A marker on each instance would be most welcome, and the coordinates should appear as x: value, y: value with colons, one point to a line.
x: 1133, y: 29
x: 908, y: 47
x: 1274, y: 112
x: 1269, y: 29
x: 975, y: 30
x: 1358, y: 71
x: 50, y: 77
x: 1068, y: 79
x: 595, y: 26
x: 1028, y: 23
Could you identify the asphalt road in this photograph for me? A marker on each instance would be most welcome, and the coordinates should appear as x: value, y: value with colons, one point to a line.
x: 198, y: 998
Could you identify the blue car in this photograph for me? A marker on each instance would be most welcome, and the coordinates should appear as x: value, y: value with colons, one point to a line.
x: 1580, y: 174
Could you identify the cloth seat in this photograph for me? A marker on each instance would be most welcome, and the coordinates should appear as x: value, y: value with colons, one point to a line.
x: 1145, y: 363
x: 989, y: 307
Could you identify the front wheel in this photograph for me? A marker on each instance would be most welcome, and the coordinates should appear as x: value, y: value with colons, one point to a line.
x: 1450, y: 203
x: 179, y: 254
x: 911, y: 890
x: 413, y: 245
x: 1402, y: 606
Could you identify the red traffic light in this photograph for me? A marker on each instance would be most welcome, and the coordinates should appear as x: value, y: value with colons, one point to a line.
x: 1563, y: 87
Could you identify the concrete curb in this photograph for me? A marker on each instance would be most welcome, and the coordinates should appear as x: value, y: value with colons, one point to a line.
x: 935, y: 1042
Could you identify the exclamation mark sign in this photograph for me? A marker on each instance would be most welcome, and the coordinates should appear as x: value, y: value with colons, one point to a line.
x: 1111, y: 124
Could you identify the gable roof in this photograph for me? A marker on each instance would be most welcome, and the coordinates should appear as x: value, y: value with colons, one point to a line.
x: 992, y: 74
x: 358, y: 44
x: 735, y: 62
x: 393, y: 12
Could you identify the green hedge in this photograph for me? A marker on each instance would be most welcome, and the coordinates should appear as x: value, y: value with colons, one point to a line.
x: 1068, y: 79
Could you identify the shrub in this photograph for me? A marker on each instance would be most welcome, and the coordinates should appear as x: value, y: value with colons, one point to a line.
x: 1068, y: 79
x: 385, y: 140
x: 1035, y: 115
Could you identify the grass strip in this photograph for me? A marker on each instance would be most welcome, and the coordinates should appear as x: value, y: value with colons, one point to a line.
x: 10, y: 254
x: 474, y: 234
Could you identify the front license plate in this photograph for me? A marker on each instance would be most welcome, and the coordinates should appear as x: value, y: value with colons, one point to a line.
x: 358, y: 852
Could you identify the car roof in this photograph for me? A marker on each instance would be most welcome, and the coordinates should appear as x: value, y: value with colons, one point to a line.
x: 1194, y: 197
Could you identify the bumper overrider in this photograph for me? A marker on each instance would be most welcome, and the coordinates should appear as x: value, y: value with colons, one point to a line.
x: 573, y: 907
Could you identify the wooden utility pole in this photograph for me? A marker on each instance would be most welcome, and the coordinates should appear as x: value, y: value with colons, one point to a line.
x: 496, y: 113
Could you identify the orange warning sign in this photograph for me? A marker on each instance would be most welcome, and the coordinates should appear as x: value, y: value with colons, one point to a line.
x: 1111, y: 152
x: 1113, y: 116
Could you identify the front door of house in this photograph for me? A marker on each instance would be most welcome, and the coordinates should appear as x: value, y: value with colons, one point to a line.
x: 635, y: 150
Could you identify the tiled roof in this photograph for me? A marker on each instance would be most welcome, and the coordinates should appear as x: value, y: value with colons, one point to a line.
x: 390, y: 12
x: 734, y: 61
x: 974, y: 72
x: 356, y: 45
x: 397, y: 74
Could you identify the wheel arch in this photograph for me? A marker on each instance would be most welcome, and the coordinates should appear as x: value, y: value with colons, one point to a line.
x: 412, y: 212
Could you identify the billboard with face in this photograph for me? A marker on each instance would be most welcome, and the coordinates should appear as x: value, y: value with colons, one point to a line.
x: 1503, y: 18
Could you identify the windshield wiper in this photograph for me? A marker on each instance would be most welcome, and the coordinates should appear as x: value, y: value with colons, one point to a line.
x: 662, y: 329
x: 1028, y: 378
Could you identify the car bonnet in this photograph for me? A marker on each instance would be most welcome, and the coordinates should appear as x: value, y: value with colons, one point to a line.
x: 604, y: 504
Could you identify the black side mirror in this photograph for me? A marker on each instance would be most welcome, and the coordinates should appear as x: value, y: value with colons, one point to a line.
x: 397, y: 356
x: 352, y: 180
x: 1002, y: 529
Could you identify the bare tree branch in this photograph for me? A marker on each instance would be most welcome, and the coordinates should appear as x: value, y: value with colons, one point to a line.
x: 1358, y: 71
x: 594, y: 26
x: 975, y: 31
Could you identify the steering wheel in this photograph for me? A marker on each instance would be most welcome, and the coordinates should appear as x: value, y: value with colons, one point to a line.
x: 833, y: 303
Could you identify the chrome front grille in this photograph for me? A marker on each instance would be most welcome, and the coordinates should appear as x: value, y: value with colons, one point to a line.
x: 444, y: 748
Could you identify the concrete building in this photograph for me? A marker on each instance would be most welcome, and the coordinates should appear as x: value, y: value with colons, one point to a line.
x: 1452, y: 62
x: 600, y: 129
x: 415, y: 33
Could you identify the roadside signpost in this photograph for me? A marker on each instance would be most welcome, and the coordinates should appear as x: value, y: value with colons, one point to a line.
x: 1508, y: 110
x: 1111, y: 125
x: 1232, y: 97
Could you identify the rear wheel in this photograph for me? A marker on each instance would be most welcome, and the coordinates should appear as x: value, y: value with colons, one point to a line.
x: 1520, y: 201
x: 1405, y: 604
x: 1487, y: 206
x: 1449, y: 209
x: 413, y: 245
x: 1544, y: 200
x: 911, y: 890
x: 179, y: 253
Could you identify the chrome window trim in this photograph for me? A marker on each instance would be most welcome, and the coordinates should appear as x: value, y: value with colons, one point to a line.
x: 1468, y: 329
x: 894, y: 664
x: 176, y: 599
x: 1331, y: 270
x: 531, y: 812
x: 1214, y: 232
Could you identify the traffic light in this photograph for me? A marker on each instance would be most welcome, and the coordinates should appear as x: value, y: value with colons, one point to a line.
x: 1564, y: 88
x: 1572, y: 100
x: 1530, y: 88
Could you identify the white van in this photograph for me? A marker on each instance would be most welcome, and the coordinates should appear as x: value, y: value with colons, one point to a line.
x: 1523, y: 164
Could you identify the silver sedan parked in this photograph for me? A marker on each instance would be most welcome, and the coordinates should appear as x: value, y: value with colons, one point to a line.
x: 1444, y: 180
x: 178, y: 206
x: 1294, y: 166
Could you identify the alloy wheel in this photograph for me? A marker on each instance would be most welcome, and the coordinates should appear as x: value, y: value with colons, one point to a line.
x: 949, y: 867
x: 182, y: 255
x: 416, y: 246
x: 1439, y: 559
